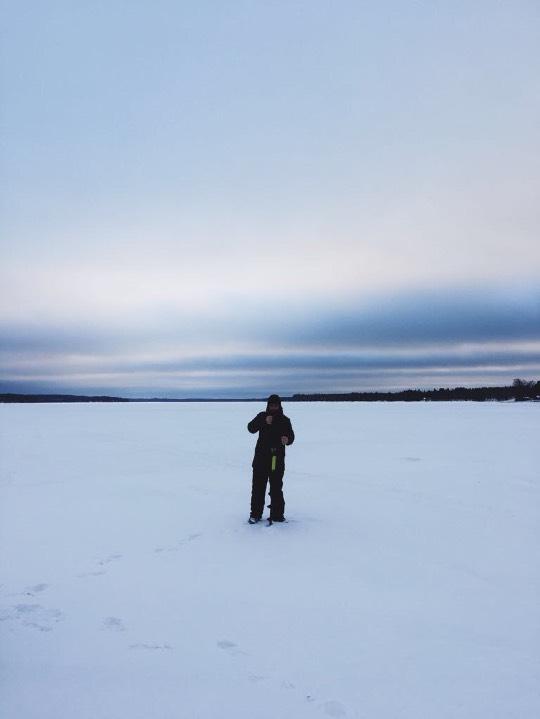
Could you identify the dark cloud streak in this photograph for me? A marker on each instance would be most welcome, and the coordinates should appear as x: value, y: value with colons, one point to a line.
x: 408, y: 319
x: 304, y: 361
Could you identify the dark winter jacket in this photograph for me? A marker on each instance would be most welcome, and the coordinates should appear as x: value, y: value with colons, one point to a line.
x: 270, y: 436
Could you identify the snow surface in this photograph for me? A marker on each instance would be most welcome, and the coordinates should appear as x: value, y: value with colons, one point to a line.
x: 405, y: 585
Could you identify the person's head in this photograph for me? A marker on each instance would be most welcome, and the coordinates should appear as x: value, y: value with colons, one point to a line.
x: 274, y: 404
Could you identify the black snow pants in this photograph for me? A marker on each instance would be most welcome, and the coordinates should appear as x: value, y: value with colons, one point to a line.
x: 262, y: 473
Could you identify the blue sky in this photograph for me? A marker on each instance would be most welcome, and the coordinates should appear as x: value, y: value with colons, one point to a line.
x: 230, y: 199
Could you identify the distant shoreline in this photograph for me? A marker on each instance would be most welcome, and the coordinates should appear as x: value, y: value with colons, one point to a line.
x: 519, y: 391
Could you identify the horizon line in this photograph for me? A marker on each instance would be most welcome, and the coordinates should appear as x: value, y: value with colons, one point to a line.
x: 296, y: 397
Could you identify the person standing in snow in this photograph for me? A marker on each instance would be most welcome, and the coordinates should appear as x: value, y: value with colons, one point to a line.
x: 275, y: 432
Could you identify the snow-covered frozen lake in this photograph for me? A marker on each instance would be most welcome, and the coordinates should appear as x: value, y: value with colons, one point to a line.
x: 405, y: 585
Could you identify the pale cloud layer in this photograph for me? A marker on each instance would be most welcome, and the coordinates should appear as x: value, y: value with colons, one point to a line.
x: 464, y: 336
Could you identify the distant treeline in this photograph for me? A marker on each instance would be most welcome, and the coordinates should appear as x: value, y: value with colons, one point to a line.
x: 10, y: 397
x: 520, y: 390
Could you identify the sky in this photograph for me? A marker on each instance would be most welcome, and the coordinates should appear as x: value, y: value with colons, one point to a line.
x: 231, y: 199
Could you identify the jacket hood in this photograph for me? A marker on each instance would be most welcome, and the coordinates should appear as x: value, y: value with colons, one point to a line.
x: 274, y: 399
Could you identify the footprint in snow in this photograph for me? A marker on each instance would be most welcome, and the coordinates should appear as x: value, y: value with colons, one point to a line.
x: 229, y: 647
x: 32, y: 615
x: 114, y: 624
x: 109, y: 559
x: 152, y: 647
x: 101, y: 563
x: 255, y: 678
x: 30, y: 591
x: 331, y: 708
x: 92, y: 574
x: 176, y: 547
x: 36, y: 588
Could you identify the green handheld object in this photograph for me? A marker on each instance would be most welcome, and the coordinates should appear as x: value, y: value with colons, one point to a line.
x: 274, y: 458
